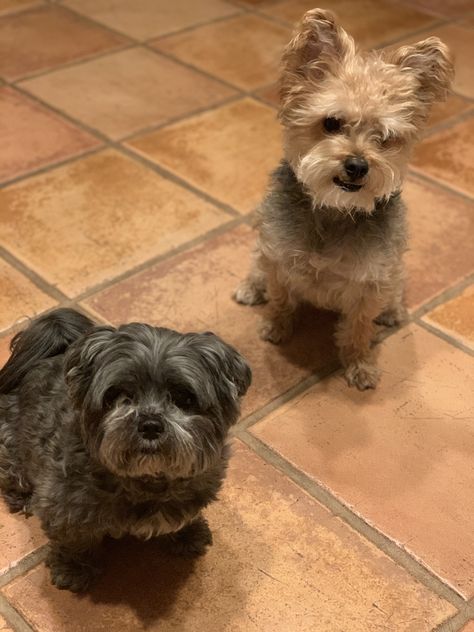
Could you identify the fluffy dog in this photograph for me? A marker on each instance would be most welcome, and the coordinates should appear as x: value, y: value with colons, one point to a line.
x: 332, y: 225
x: 108, y: 431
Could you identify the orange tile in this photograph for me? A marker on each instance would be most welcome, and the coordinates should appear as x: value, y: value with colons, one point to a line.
x: 4, y: 350
x: 122, y: 93
x: 4, y: 627
x: 93, y: 219
x: 279, y: 562
x: 454, y: 106
x: 448, y: 156
x: 18, y: 537
x: 440, y: 252
x: 456, y: 317
x: 20, y: 298
x: 244, y: 50
x: 46, y: 38
x: 370, y: 22
x: 10, y: 6
x: 209, y: 274
x: 33, y: 136
x: 150, y: 18
x: 443, y: 8
x: 469, y: 627
x: 228, y: 152
x: 270, y: 95
x: 400, y: 456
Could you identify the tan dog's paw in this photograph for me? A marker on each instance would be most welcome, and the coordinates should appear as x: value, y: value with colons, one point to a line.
x: 392, y: 317
x: 249, y: 293
x: 361, y: 375
x: 275, y: 331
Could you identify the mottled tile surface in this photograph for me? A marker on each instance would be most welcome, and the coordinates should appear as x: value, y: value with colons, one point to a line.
x: 48, y: 37
x: 371, y: 22
x: 244, y: 50
x: 456, y: 317
x: 443, y: 8
x: 11, y: 6
x: 276, y: 560
x: 4, y: 627
x: 142, y: 19
x: 33, y: 136
x: 20, y: 297
x: 440, y: 252
x: 228, y: 152
x: 399, y: 455
x: 18, y: 537
x: 209, y: 275
x: 108, y: 214
x: 448, y: 109
x: 448, y: 156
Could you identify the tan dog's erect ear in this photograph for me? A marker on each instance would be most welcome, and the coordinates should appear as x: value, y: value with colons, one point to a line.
x: 317, y: 44
x: 431, y: 63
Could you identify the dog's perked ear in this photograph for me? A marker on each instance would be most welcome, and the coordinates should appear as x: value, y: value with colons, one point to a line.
x: 224, y: 362
x: 430, y: 62
x: 80, y: 361
x: 318, y: 43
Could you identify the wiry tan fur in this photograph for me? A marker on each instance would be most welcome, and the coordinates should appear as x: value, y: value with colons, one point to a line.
x: 342, y: 250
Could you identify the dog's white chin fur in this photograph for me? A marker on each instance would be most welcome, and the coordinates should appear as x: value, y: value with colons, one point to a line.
x: 318, y: 177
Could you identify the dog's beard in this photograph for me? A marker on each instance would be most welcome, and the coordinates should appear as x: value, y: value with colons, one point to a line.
x: 186, y: 447
x: 317, y: 172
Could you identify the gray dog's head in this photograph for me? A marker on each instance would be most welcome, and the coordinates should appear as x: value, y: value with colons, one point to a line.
x: 154, y: 401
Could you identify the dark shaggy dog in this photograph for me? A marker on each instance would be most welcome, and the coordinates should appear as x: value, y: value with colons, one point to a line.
x: 108, y: 431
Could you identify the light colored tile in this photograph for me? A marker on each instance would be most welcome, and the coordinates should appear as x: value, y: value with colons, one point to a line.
x: 122, y: 93
x: 279, y: 562
x: 93, y: 219
x: 228, y: 152
x: 18, y: 537
x: 400, y: 456
x: 456, y: 317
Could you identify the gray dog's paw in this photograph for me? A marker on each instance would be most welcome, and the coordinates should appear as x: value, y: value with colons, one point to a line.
x: 71, y: 574
x: 193, y: 539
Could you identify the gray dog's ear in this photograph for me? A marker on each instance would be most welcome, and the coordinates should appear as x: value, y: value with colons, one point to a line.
x: 80, y: 361
x: 225, y: 362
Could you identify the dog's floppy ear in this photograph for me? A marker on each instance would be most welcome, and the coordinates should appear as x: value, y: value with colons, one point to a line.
x: 80, y: 362
x: 224, y: 362
x: 430, y: 62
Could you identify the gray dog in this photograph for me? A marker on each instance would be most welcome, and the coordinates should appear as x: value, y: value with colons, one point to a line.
x: 108, y: 431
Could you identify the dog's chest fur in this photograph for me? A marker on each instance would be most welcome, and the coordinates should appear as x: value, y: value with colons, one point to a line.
x: 322, y: 252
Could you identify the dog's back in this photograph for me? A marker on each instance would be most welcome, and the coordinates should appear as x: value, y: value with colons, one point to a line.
x: 46, y: 337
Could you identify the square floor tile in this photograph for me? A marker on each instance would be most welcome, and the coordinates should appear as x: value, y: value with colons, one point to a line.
x: 371, y: 22
x: 122, y: 93
x: 443, y: 8
x: 11, y: 6
x: 228, y: 152
x: 48, y: 37
x: 440, y: 246
x: 400, y: 456
x: 93, y: 219
x: 448, y: 156
x: 18, y: 537
x: 142, y: 19
x: 279, y: 562
x: 33, y: 136
x: 20, y: 297
x: 244, y: 50
x: 456, y: 317
x: 452, y: 107
x: 209, y: 275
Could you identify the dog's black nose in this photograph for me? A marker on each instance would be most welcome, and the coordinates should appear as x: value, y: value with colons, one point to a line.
x: 150, y: 428
x: 356, y: 167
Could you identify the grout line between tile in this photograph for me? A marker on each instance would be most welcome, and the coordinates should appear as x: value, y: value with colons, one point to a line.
x: 194, y: 27
x: 450, y: 122
x: 356, y: 522
x: 455, y: 623
x: 437, y: 22
x: 444, y: 336
x: 13, y: 617
x: 24, y: 565
x: 444, y: 296
x: 415, y: 172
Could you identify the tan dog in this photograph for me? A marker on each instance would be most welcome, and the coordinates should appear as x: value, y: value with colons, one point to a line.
x: 332, y: 226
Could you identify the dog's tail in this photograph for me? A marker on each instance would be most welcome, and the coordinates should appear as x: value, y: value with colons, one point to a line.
x: 47, y: 336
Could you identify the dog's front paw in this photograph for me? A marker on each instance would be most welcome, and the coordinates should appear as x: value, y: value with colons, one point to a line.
x: 362, y: 375
x: 392, y: 317
x: 248, y: 293
x: 71, y: 574
x: 275, y: 331
x: 192, y: 540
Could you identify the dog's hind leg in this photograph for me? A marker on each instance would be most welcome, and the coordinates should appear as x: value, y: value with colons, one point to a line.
x: 252, y: 290
x: 277, y: 325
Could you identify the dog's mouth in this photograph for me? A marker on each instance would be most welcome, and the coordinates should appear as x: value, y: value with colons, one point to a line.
x: 349, y: 187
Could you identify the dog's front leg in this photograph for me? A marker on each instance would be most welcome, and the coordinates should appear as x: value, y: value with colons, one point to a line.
x: 73, y: 563
x: 277, y: 325
x: 193, y: 539
x: 354, y: 336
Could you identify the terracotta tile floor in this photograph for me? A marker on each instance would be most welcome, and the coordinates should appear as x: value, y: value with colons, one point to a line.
x: 136, y: 139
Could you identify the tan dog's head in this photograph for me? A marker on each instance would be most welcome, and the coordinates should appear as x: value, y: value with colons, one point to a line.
x: 351, y: 118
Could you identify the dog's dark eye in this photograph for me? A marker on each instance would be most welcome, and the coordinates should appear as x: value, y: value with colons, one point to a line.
x: 184, y: 399
x: 115, y: 394
x: 332, y: 125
